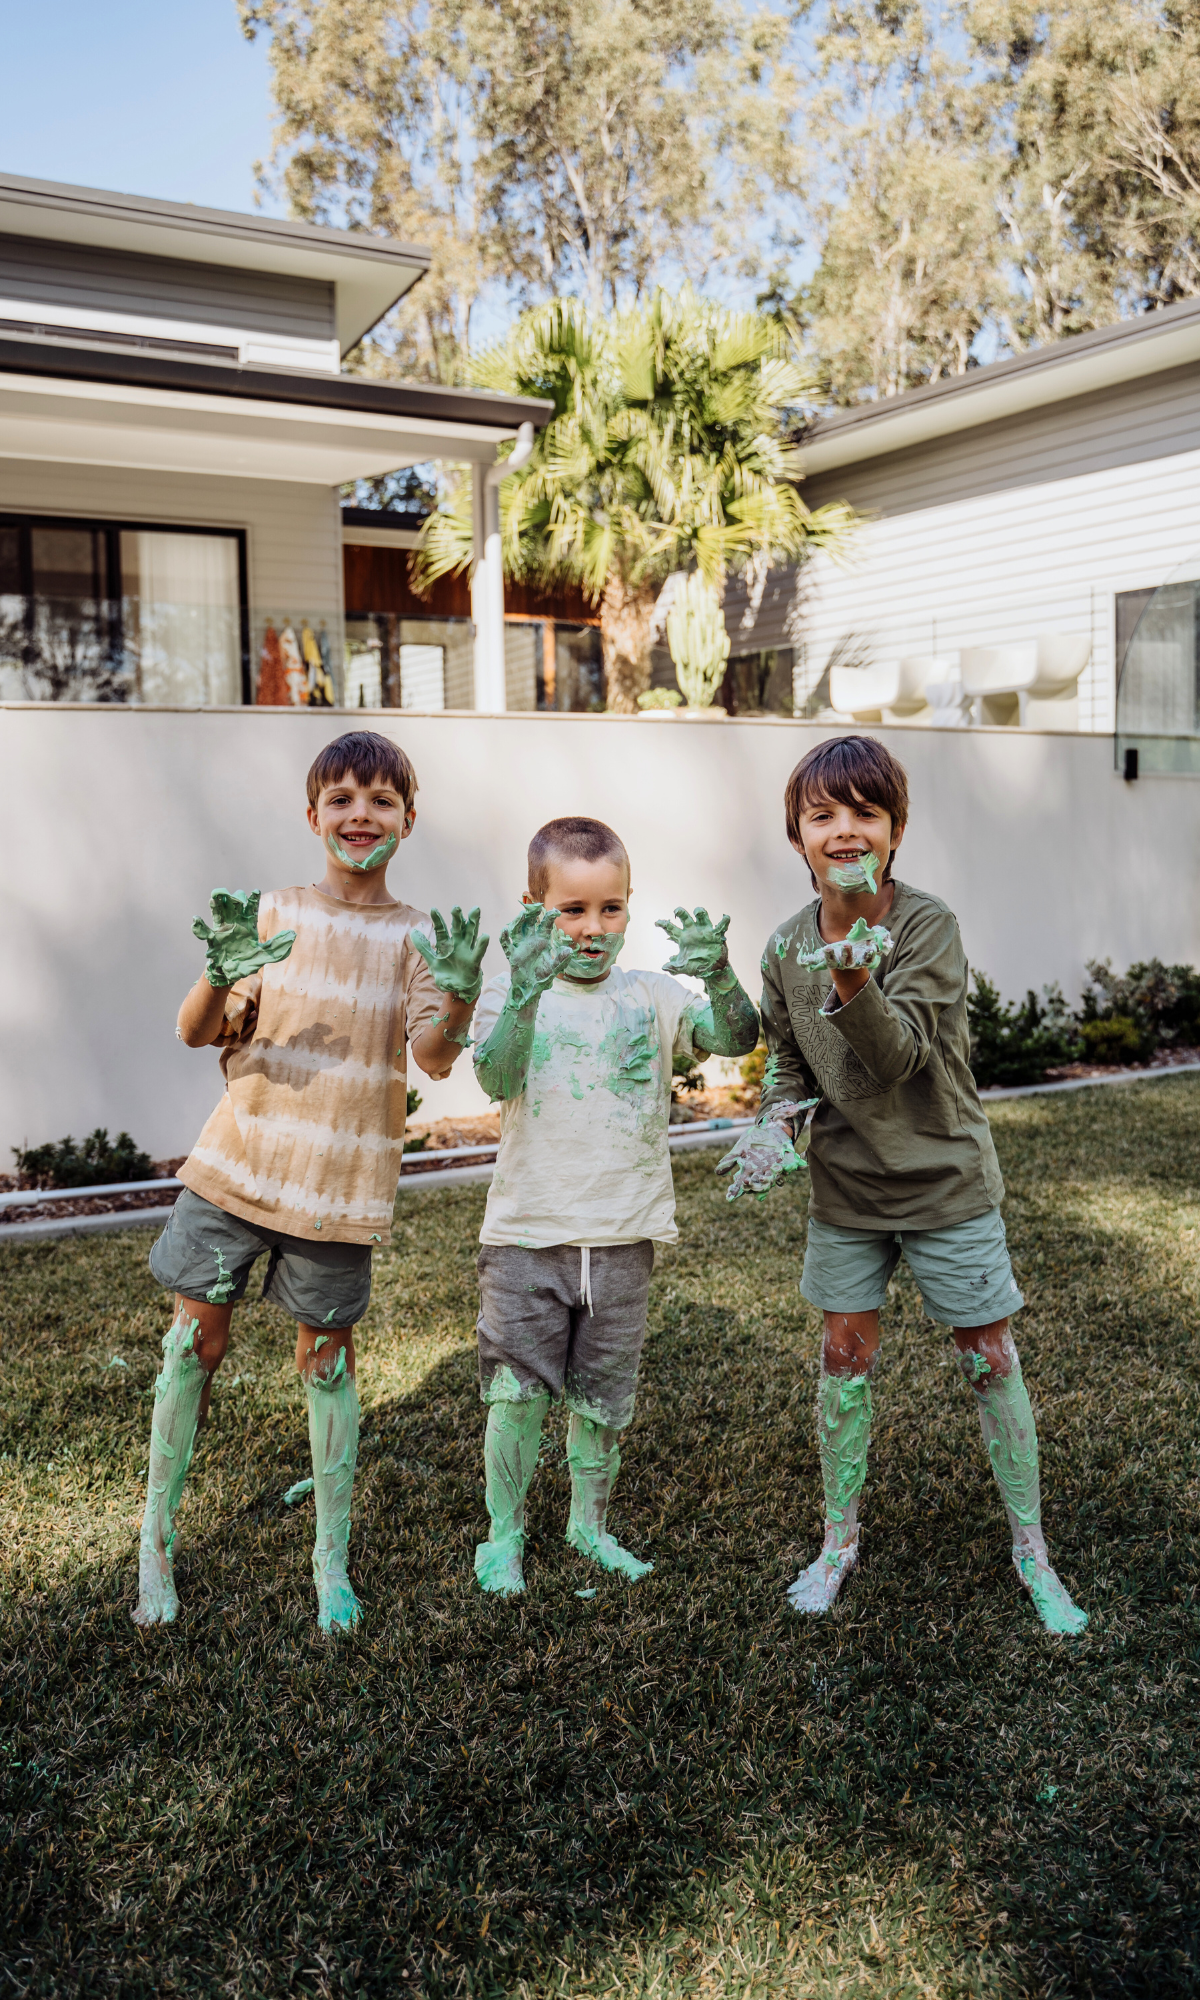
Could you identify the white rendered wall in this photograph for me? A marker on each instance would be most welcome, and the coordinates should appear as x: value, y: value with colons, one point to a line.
x: 117, y: 823
x: 1003, y: 566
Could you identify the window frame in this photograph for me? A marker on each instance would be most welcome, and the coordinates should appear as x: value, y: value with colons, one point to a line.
x: 25, y: 521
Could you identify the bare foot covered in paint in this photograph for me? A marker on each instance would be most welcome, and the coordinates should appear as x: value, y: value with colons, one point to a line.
x: 1051, y: 1600
x: 817, y: 1586
x: 606, y: 1550
x: 498, y: 1566
x: 158, y: 1600
x: 338, y: 1609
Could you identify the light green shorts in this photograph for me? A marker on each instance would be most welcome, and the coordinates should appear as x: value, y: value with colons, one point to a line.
x: 963, y: 1272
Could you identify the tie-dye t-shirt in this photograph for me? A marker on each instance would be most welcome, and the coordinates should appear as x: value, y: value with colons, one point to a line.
x: 583, y: 1149
x: 309, y: 1135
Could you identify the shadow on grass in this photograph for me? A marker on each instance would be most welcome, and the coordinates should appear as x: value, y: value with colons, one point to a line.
x: 675, y: 1788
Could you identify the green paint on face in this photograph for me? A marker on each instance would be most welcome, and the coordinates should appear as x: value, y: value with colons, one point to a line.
x: 608, y: 944
x: 855, y: 878
x: 843, y: 1432
x: 377, y: 857
x: 221, y: 1293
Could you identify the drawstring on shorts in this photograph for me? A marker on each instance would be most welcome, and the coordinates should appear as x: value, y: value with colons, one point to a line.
x: 585, y: 1278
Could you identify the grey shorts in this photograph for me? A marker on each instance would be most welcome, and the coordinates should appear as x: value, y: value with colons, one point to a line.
x: 538, y: 1336
x: 205, y: 1253
x: 963, y: 1272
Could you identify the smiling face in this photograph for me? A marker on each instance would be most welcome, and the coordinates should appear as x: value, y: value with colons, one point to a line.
x: 592, y: 900
x: 360, y: 826
x: 833, y: 834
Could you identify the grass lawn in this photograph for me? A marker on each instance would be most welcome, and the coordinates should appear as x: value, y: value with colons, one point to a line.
x: 679, y: 1788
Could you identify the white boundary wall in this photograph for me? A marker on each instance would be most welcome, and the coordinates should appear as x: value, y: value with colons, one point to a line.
x: 118, y: 823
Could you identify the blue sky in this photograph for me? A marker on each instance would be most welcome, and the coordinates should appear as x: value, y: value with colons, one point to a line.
x: 155, y: 97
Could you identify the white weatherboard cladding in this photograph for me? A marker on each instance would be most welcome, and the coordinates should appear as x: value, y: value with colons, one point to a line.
x: 1004, y: 566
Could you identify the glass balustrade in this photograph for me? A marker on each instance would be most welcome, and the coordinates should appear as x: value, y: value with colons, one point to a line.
x: 1158, y: 686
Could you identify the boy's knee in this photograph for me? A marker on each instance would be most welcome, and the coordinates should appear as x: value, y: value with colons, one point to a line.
x: 325, y: 1358
x: 851, y: 1343
x: 985, y: 1353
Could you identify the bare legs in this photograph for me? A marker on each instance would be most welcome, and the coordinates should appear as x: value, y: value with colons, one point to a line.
x: 988, y: 1361
x: 193, y: 1350
x: 510, y: 1456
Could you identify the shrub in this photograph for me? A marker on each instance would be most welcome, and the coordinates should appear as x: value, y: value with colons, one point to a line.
x: 1116, y: 1039
x: 1013, y: 1044
x: 1163, y: 1001
x: 91, y: 1163
x: 415, y: 1101
x: 754, y: 1066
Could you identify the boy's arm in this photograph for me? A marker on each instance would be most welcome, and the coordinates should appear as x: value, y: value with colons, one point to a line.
x: 893, y: 1032
x: 787, y: 1078
x: 234, y: 952
x: 536, y: 953
x: 729, y: 1025
x: 766, y: 1152
x: 454, y: 958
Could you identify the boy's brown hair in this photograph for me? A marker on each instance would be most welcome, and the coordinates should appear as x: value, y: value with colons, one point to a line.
x: 573, y: 840
x: 367, y: 758
x: 849, y: 770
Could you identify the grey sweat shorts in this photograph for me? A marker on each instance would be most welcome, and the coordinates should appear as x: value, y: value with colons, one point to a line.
x: 963, y: 1272
x: 538, y: 1336
x: 206, y: 1253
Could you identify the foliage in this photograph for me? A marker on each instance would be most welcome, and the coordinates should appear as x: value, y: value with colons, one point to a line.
x: 1163, y: 1000
x: 672, y: 445
x: 697, y: 638
x: 93, y: 1162
x: 1117, y: 1039
x: 577, y: 145
x: 412, y: 492
x: 1013, y: 1044
x: 415, y: 1101
x: 681, y: 1789
x: 660, y: 698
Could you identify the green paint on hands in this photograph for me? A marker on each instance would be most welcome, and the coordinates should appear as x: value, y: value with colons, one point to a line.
x: 855, y: 878
x: 377, y: 858
x: 234, y: 949
x: 863, y: 948
x: 700, y: 948
x: 538, y: 953
x: 221, y: 1293
x: 455, y: 956
x: 761, y: 1157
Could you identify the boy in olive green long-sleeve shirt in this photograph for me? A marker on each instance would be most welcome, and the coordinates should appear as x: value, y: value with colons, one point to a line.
x: 872, y: 1020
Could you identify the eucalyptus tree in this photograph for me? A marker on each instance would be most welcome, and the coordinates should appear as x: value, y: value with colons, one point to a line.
x: 674, y: 445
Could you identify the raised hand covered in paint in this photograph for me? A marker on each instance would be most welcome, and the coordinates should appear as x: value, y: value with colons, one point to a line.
x: 855, y: 878
x: 456, y: 954
x: 764, y: 1155
x: 700, y: 948
x: 234, y: 948
x: 864, y: 947
x: 537, y: 952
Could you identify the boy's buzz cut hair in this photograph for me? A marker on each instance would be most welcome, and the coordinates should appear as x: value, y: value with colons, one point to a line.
x: 848, y: 770
x: 369, y: 759
x: 571, y: 840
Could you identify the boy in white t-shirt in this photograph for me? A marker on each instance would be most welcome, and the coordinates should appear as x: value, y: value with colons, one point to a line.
x: 580, y: 1054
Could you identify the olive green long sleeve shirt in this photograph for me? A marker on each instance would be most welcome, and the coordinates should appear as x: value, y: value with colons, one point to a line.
x: 899, y: 1139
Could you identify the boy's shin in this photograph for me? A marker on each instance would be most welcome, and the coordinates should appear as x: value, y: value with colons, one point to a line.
x: 843, y: 1434
x: 1010, y: 1435
x: 333, y: 1435
x: 177, y: 1394
x: 510, y: 1455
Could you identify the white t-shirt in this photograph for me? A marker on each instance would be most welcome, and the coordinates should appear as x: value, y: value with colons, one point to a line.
x: 583, y: 1152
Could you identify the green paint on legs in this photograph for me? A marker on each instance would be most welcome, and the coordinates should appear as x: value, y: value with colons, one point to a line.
x: 177, y: 1394
x: 375, y: 859
x: 595, y: 1461
x: 843, y: 1434
x: 300, y: 1491
x: 510, y: 1456
x: 333, y: 1436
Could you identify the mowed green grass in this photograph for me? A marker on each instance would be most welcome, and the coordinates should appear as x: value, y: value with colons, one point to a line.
x: 675, y: 1789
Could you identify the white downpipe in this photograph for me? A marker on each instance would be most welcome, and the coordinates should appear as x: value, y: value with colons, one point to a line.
x: 487, y: 577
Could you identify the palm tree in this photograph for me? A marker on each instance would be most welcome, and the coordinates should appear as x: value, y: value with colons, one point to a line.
x: 673, y: 446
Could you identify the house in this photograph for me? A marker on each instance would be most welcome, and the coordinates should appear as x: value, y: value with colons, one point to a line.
x: 1022, y: 514
x: 174, y: 431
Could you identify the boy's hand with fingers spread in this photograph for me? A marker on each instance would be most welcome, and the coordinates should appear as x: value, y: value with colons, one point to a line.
x: 456, y: 954
x: 536, y: 952
x: 700, y: 948
x: 760, y: 1157
x: 235, y: 949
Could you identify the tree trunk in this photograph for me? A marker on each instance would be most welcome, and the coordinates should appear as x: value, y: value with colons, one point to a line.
x: 625, y: 613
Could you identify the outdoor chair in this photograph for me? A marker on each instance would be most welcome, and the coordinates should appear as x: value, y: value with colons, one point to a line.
x: 1032, y: 684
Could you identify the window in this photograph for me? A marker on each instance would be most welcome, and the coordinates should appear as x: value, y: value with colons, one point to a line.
x: 98, y: 611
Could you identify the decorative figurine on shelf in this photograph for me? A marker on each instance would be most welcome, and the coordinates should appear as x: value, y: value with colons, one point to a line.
x: 272, y: 689
x: 293, y: 667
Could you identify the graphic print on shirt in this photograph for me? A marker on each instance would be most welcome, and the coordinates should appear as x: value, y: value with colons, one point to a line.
x: 841, y: 1075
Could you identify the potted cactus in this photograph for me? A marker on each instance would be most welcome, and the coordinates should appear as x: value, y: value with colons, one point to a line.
x: 699, y: 643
